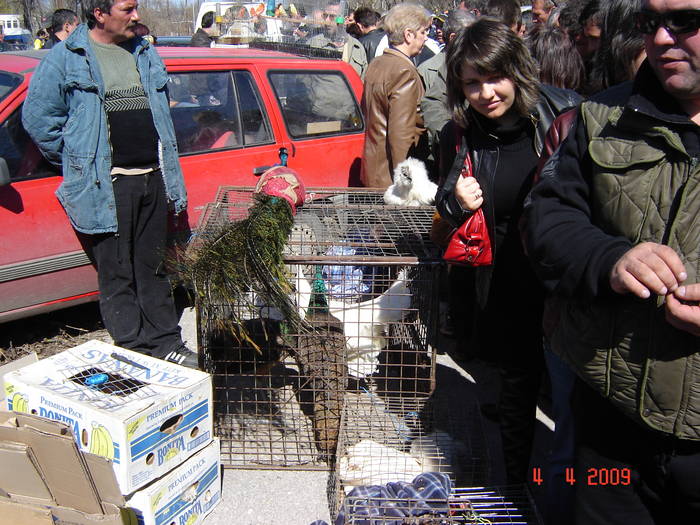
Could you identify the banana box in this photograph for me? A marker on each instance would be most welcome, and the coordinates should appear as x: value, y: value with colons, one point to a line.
x: 185, y: 495
x: 145, y: 414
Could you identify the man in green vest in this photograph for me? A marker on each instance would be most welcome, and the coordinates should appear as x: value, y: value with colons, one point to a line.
x: 613, y: 230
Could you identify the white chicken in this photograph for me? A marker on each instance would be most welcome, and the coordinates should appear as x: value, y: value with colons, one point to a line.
x: 371, y: 463
x: 365, y: 324
x: 411, y: 186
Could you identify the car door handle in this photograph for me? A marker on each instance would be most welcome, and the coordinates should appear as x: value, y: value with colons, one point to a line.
x: 260, y: 170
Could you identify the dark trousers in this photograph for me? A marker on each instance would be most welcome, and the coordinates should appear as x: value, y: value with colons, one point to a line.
x: 135, y: 296
x: 510, y: 327
x: 629, y: 474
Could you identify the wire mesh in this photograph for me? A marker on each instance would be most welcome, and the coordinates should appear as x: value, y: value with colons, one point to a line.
x: 107, y: 386
x: 364, y: 278
x: 387, y: 440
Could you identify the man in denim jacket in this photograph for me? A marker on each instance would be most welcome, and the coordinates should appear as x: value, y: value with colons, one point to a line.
x: 98, y: 107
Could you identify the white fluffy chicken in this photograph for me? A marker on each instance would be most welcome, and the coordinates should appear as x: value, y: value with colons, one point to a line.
x: 411, y: 186
x: 371, y: 463
x: 365, y: 324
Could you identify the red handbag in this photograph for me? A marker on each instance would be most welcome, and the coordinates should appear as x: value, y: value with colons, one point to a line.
x: 470, y: 244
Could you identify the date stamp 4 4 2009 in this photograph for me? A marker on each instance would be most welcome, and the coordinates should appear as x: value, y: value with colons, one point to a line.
x: 593, y: 476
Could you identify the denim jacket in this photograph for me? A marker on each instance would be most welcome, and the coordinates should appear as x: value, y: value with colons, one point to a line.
x: 64, y: 114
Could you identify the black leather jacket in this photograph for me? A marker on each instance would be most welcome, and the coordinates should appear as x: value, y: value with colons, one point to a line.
x: 484, y: 161
x: 370, y: 42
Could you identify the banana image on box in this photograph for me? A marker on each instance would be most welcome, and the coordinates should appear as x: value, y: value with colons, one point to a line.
x: 20, y: 403
x: 101, y: 441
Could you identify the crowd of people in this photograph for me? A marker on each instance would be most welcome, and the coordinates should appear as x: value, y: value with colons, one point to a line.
x: 581, y: 131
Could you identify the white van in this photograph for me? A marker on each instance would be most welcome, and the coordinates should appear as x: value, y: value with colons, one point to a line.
x: 232, y: 27
x: 12, y: 25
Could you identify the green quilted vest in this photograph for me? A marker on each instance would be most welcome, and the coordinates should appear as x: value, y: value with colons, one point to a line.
x: 623, y: 347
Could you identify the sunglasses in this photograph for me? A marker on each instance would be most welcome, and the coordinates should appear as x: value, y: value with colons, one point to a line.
x: 676, y: 22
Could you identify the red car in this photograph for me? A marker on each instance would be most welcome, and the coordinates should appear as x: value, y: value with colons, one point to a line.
x: 233, y: 109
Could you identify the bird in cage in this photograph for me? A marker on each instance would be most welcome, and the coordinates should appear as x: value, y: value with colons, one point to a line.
x: 365, y: 324
x: 237, y: 262
x: 411, y: 186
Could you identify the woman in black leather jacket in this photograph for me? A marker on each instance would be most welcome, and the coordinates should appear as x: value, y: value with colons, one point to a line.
x: 501, y: 115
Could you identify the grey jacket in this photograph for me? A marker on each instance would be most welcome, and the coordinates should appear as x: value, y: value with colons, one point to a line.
x: 433, y: 105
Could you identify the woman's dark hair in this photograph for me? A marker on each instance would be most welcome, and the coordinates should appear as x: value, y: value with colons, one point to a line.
x: 89, y: 7
x: 559, y: 63
x: 490, y: 47
x: 620, y: 45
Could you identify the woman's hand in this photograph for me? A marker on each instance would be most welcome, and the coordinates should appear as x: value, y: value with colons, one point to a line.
x: 468, y: 193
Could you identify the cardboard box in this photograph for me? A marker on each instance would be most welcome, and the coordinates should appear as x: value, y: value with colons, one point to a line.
x: 51, y: 481
x: 144, y: 414
x: 185, y: 495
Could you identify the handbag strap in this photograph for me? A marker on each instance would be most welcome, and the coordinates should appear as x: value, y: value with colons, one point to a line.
x: 467, y: 169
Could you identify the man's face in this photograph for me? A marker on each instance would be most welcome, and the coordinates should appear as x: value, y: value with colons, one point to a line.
x: 539, y: 13
x: 415, y: 40
x: 119, y: 24
x: 589, y: 40
x: 675, y: 58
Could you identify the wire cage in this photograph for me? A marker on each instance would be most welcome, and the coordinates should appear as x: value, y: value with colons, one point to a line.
x: 364, y: 277
x: 388, y: 440
x: 406, y: 505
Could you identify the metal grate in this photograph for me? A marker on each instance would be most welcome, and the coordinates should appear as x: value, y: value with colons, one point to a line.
x: 389, y: 439
x: 356, y: 219
x: 476, y: 505
x: 106, y: 386
x: 365, y: 277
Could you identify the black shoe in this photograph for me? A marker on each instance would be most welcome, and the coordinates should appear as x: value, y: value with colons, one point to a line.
x: 182, y: 356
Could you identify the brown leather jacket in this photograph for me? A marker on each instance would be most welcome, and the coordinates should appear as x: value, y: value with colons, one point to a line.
x: 390, y: 104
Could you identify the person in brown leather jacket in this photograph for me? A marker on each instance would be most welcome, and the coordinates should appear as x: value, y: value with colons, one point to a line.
x: 392, y: 94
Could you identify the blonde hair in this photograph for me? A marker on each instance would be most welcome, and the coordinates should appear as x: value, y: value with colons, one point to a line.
x: 402, y: 17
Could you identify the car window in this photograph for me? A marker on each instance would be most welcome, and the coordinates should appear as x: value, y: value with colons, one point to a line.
x: 316, y: 103
x: 8, y: 82
x: 21, y: 154
x: 256, y: 128
x: 213, y: 110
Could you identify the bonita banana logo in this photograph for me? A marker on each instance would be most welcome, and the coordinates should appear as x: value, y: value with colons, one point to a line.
x: 156, y: 499
x: 101, y: 441
x: 190, y: 517
x: 20, y: 403
x: 133, y: 426
x: 170, y: 450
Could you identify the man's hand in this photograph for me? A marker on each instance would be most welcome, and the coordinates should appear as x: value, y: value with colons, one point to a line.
x: 683, y: 309
x: 647, y: 268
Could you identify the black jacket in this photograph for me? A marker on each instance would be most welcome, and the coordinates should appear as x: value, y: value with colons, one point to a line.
x: 201, y: 39
x: 484, y: 161
x: 370, y: 42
